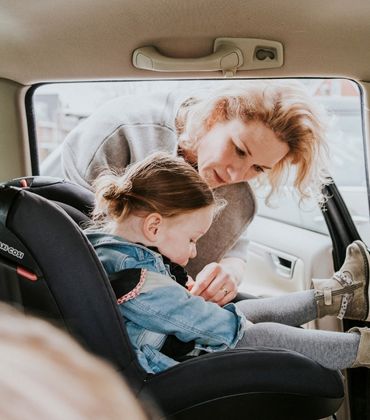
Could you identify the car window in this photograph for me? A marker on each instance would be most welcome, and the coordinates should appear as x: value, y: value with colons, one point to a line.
x: 342, y: 101
x: 58, y: 108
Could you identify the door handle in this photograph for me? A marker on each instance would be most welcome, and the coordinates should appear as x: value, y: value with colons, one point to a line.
x: 283, y: 266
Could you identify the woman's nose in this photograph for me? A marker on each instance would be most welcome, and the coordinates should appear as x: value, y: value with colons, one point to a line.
x: 236, y: 174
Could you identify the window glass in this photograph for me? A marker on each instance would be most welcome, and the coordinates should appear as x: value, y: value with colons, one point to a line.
x: 342, y: 101
x: 61, y: 107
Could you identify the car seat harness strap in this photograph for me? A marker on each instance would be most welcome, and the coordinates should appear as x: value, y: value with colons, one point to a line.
x: 126, y: 285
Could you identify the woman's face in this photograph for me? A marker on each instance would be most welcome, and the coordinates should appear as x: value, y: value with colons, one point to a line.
x: 234, y: 151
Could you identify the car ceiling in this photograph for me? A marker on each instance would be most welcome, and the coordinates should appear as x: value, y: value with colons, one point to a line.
x: 43, y: 40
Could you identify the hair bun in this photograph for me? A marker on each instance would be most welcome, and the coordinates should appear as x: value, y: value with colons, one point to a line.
x: 116, y: 190
x: 110, y: 192
x: 125, y: 187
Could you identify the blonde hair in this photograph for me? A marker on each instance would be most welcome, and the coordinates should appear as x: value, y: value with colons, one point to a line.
x: 283, y: 106
x: 46, y: 375
x: 159, y: 183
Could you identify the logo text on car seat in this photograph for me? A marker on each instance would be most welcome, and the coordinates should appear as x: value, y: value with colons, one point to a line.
x: 10, y: 250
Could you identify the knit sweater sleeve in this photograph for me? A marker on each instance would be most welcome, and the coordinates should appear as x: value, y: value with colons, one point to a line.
x: 123, y: 131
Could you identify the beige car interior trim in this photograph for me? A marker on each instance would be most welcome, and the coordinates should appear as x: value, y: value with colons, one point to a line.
x: 95, y: 40
x: 13, y: 138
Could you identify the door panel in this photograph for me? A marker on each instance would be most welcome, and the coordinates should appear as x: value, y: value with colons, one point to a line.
x: 283, y: 258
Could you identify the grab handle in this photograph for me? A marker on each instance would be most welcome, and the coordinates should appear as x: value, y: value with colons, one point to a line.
x: 229, y: 55
x: 226, y: 58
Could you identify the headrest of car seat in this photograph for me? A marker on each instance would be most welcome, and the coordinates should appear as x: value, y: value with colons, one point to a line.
x: 76, y: 200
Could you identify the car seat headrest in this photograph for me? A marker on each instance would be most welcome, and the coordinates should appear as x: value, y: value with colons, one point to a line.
x: 76, y: 200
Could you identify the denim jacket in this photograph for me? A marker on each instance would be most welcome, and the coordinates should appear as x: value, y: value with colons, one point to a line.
x: 161, y: 307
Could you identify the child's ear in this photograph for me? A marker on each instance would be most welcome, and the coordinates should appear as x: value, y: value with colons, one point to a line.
x: 151, y: 226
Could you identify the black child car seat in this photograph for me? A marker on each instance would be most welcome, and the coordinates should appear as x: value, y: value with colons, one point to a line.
x: 48, y: 267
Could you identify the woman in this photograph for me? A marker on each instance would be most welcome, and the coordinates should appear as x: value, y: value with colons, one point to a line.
x: 231, y: 136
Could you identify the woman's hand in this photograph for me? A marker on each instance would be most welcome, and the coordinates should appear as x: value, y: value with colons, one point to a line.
x: 218, y: 282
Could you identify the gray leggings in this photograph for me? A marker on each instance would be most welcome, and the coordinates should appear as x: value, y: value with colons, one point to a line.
x: 275, y: 320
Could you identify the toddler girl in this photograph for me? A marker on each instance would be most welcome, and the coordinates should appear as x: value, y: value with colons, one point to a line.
x: 147, y: 224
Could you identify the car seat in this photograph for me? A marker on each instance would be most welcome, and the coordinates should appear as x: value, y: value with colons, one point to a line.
x: 48, y: 267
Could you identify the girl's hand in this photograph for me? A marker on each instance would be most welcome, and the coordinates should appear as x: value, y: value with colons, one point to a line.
x: 215, y: 283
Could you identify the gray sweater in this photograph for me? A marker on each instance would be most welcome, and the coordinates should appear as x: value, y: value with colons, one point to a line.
x: 128, y: 129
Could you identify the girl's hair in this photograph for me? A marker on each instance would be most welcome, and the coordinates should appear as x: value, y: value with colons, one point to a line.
x: 283, y: 106
x: 159, y: 183
x: 45, y: 374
